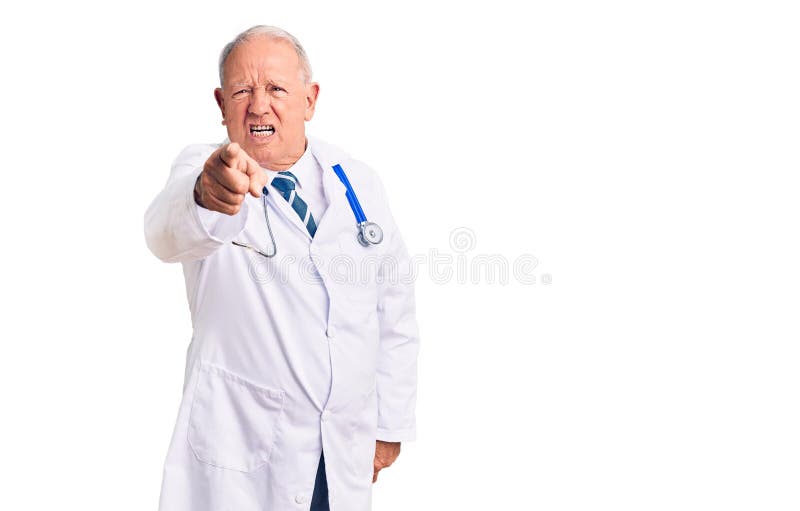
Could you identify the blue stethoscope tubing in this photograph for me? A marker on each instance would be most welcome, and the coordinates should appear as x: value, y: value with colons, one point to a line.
x: 369, y: 233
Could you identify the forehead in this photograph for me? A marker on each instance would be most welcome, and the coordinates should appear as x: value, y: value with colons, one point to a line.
x: 262, y: 58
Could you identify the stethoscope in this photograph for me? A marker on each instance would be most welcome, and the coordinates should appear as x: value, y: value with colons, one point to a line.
x: 369, y: 233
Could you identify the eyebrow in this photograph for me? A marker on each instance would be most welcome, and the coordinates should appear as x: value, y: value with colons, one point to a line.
x: 269, y: 82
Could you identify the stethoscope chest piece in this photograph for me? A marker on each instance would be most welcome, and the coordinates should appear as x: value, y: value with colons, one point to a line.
x: 369, y: 233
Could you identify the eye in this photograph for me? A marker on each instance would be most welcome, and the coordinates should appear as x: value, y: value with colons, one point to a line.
x: 278, y: 89
x: 240, y: 93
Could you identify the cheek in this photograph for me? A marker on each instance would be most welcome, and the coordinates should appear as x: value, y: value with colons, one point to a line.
x: 291, y: 115
x: 238, y: 112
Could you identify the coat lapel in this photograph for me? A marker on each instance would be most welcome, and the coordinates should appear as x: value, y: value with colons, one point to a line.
x: 336, y: 216
x: 282, y: 206
x: 338, y: 213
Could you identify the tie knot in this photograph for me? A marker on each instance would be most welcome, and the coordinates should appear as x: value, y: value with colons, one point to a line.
x: 284, y: 181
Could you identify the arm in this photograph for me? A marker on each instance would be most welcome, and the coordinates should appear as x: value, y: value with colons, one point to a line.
x: 177, y: 227
x: 396, y: 377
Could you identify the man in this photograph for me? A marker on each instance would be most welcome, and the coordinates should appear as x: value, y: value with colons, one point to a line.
x: 301, y: 374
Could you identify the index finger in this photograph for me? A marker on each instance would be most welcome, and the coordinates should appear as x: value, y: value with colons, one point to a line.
x: 230, y: 154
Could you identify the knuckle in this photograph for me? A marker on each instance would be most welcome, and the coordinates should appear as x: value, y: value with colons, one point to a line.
x: 213, y: 162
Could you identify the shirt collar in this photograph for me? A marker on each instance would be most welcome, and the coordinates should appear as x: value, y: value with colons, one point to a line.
x: 301, y: 168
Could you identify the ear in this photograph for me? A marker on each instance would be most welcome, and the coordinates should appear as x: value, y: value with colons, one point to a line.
x: 312, y: 91
x: 220, y: 102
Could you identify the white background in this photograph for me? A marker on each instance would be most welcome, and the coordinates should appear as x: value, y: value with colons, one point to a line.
x: 645, y: 153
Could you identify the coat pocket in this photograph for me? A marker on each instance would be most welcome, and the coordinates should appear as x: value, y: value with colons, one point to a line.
x: 233, y: 423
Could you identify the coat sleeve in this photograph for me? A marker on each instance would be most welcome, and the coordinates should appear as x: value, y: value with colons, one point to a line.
x: 176, y: 228
x: 396, y: 379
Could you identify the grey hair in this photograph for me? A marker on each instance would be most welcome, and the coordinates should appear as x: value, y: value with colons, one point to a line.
x: 274, y: 33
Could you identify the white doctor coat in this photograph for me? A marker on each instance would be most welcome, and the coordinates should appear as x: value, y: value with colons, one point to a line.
x: 313, y: 349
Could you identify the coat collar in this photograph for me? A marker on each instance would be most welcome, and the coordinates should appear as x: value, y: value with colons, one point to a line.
x: 327, y: 155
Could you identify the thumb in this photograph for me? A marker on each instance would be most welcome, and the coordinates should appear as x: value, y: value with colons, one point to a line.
x: 258, y: 178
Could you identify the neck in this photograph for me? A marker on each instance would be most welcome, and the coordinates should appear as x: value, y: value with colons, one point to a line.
x: 289, y: 160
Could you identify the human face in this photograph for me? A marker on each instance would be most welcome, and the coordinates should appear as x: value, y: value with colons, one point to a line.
x: 264, y: 87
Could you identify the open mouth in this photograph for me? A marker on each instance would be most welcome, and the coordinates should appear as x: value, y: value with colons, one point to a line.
x: 262, y: 130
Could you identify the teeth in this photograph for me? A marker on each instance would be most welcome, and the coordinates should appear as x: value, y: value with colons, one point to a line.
x: 262, y: 130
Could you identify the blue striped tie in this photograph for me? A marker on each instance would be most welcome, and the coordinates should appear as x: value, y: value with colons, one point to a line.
x: 285, y: 183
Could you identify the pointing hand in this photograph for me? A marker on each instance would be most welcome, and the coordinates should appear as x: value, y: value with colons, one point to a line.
x: 227, y: 176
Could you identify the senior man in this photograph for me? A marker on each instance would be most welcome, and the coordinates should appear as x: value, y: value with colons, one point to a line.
x: 300, y: 377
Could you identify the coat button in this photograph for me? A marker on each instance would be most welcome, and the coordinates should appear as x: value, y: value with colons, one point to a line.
x: 326, y: 415
x: 300, y: 499
x: 331, y: 332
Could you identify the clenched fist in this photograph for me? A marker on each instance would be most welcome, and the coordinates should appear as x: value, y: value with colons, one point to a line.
x: 228, y: 175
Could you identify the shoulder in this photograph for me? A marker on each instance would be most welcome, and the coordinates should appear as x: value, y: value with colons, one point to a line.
x: 358, y: 171
x: 195, y: 154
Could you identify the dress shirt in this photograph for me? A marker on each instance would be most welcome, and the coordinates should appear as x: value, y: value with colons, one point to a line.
x: 309, y: 183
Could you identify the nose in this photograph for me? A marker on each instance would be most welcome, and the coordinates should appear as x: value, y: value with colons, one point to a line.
x: 259, y: 102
